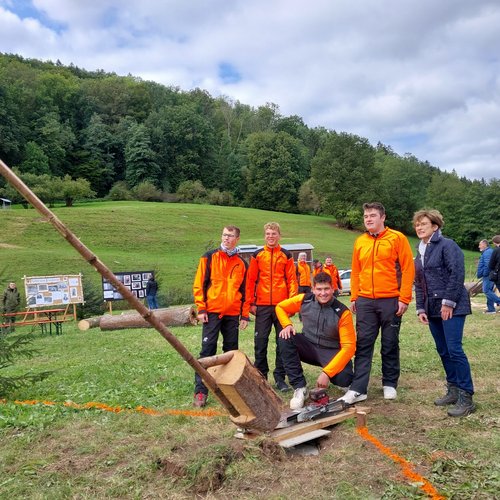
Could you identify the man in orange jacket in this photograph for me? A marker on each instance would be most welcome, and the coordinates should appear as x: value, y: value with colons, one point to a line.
x: 327, y: 340
x: 381, y: 289
x: 271, y: 278
x: 219, y: 294
x: 317, y: 267
x: 332, y: 270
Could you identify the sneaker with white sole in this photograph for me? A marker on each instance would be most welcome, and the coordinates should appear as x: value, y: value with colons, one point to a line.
x: 351, y: 397
x: 299, y: 397
x: 390, y: 392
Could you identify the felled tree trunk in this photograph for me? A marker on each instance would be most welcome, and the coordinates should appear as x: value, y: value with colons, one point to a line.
x: 87, y: 323
x: 169, y: 316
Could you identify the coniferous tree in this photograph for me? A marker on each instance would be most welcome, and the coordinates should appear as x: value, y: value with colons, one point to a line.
x: 12, y: 347
x: 140, y: 159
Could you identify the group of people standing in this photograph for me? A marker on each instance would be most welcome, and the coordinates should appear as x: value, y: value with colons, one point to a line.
x: 383, y: 271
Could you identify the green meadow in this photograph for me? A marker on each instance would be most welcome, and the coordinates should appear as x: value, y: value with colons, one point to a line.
x: 114, y: 419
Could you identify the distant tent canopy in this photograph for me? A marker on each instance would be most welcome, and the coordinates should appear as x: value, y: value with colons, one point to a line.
x: 5, y: 203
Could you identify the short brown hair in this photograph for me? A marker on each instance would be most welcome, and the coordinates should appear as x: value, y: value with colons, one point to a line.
x: 322, y: 278
x: 433, y: 215
x: 374, y: 205
x: 234, y: 229
x: 496, y: 239
x: 273, y: 226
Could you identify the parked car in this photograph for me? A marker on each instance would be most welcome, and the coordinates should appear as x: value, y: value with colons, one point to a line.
x: 345, y: 277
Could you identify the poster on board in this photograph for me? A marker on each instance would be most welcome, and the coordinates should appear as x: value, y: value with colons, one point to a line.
x: 135, y: 281
x: 48, y: 291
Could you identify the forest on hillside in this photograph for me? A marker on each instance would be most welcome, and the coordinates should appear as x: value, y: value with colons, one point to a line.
x: 73, y: 134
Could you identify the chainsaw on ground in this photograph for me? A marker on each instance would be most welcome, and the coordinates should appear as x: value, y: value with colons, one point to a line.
x: 320, y: 406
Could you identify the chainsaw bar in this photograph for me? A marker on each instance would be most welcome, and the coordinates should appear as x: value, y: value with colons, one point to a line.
x: 314, y: 411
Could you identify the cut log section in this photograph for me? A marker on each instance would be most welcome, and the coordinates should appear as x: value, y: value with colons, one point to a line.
x: 169, y: 316
x: 259, y: 407
x: 474, y: 287
x: 88, y: 323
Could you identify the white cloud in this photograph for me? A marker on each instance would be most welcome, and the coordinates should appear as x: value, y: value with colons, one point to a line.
x: 422, y: 76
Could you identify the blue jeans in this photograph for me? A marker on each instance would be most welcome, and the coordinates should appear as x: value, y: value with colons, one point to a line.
x: 152, y: 304
x: 491, y: 297
x: 448, y: 338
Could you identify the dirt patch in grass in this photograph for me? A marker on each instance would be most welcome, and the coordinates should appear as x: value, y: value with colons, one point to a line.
x: 8, y: 245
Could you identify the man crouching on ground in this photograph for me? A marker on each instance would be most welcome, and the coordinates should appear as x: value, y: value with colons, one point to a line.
x: 328, y: 338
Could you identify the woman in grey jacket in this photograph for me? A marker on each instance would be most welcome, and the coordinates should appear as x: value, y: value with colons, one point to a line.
x: 442, y: 304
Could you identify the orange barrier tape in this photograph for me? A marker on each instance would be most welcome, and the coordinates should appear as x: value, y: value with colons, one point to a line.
x: 406, y: 466
x: 117, y: 409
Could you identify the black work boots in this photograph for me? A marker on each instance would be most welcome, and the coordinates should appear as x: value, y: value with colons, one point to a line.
x: 450, y: 398
x: 461, y: 399
x: 465, y: 406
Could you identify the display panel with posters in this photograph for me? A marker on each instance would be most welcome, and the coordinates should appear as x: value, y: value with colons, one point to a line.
x: 135, y: 281
x: 49, y: 291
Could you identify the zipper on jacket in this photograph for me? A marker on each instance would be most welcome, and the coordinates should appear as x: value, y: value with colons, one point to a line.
x: 373, y: 265
x: 271, y: 280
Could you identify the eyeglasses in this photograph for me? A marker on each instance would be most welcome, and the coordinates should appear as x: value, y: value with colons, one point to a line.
x: 226, y: 235
x: 423, y: 224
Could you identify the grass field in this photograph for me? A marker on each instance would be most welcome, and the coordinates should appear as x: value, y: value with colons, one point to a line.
x: 53, y: 446
x: 163, y: 236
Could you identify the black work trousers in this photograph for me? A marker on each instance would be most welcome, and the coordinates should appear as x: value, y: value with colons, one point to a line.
x: 297, y: 348
x: 373, y: 315
x: 228, y: 327
x: 265, y: 319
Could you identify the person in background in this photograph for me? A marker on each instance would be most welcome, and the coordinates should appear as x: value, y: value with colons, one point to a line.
x: 332, y: 270
x: 442, y: 304
x: 381, y: 289
x: 271, y: 278
x: 328, y: 338
x: 219, y: 295
x: 303, y: 273
x: 151, y: 292
x: 11, y: 300
x: 317, y: 267
x: 495, y: 263
x: 483, y: 271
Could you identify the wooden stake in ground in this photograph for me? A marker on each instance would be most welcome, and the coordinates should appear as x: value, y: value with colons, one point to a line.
x: 94, y: 261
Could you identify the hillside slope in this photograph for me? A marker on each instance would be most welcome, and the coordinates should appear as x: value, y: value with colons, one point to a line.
x: 166, y: 237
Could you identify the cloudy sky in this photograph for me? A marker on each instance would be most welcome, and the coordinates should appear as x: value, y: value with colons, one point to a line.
x: 422, y: 76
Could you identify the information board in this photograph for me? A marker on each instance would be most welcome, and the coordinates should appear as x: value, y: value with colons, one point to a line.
x: 135, y: 281
x: 46, y: 291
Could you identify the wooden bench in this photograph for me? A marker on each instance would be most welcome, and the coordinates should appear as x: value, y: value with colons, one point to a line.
x: 43, y: 317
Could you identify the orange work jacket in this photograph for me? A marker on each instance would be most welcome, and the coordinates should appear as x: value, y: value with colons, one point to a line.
x: 271, y: 277
x: 316, y: 319
x: 303, y: 274
x: 219, y: 284
x: 334, y: 273
x: 382, y: 266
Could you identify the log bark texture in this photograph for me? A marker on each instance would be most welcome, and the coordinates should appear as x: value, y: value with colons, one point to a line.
x: 474, y: 287
x: 259, y: 407
x: 169, y: 316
